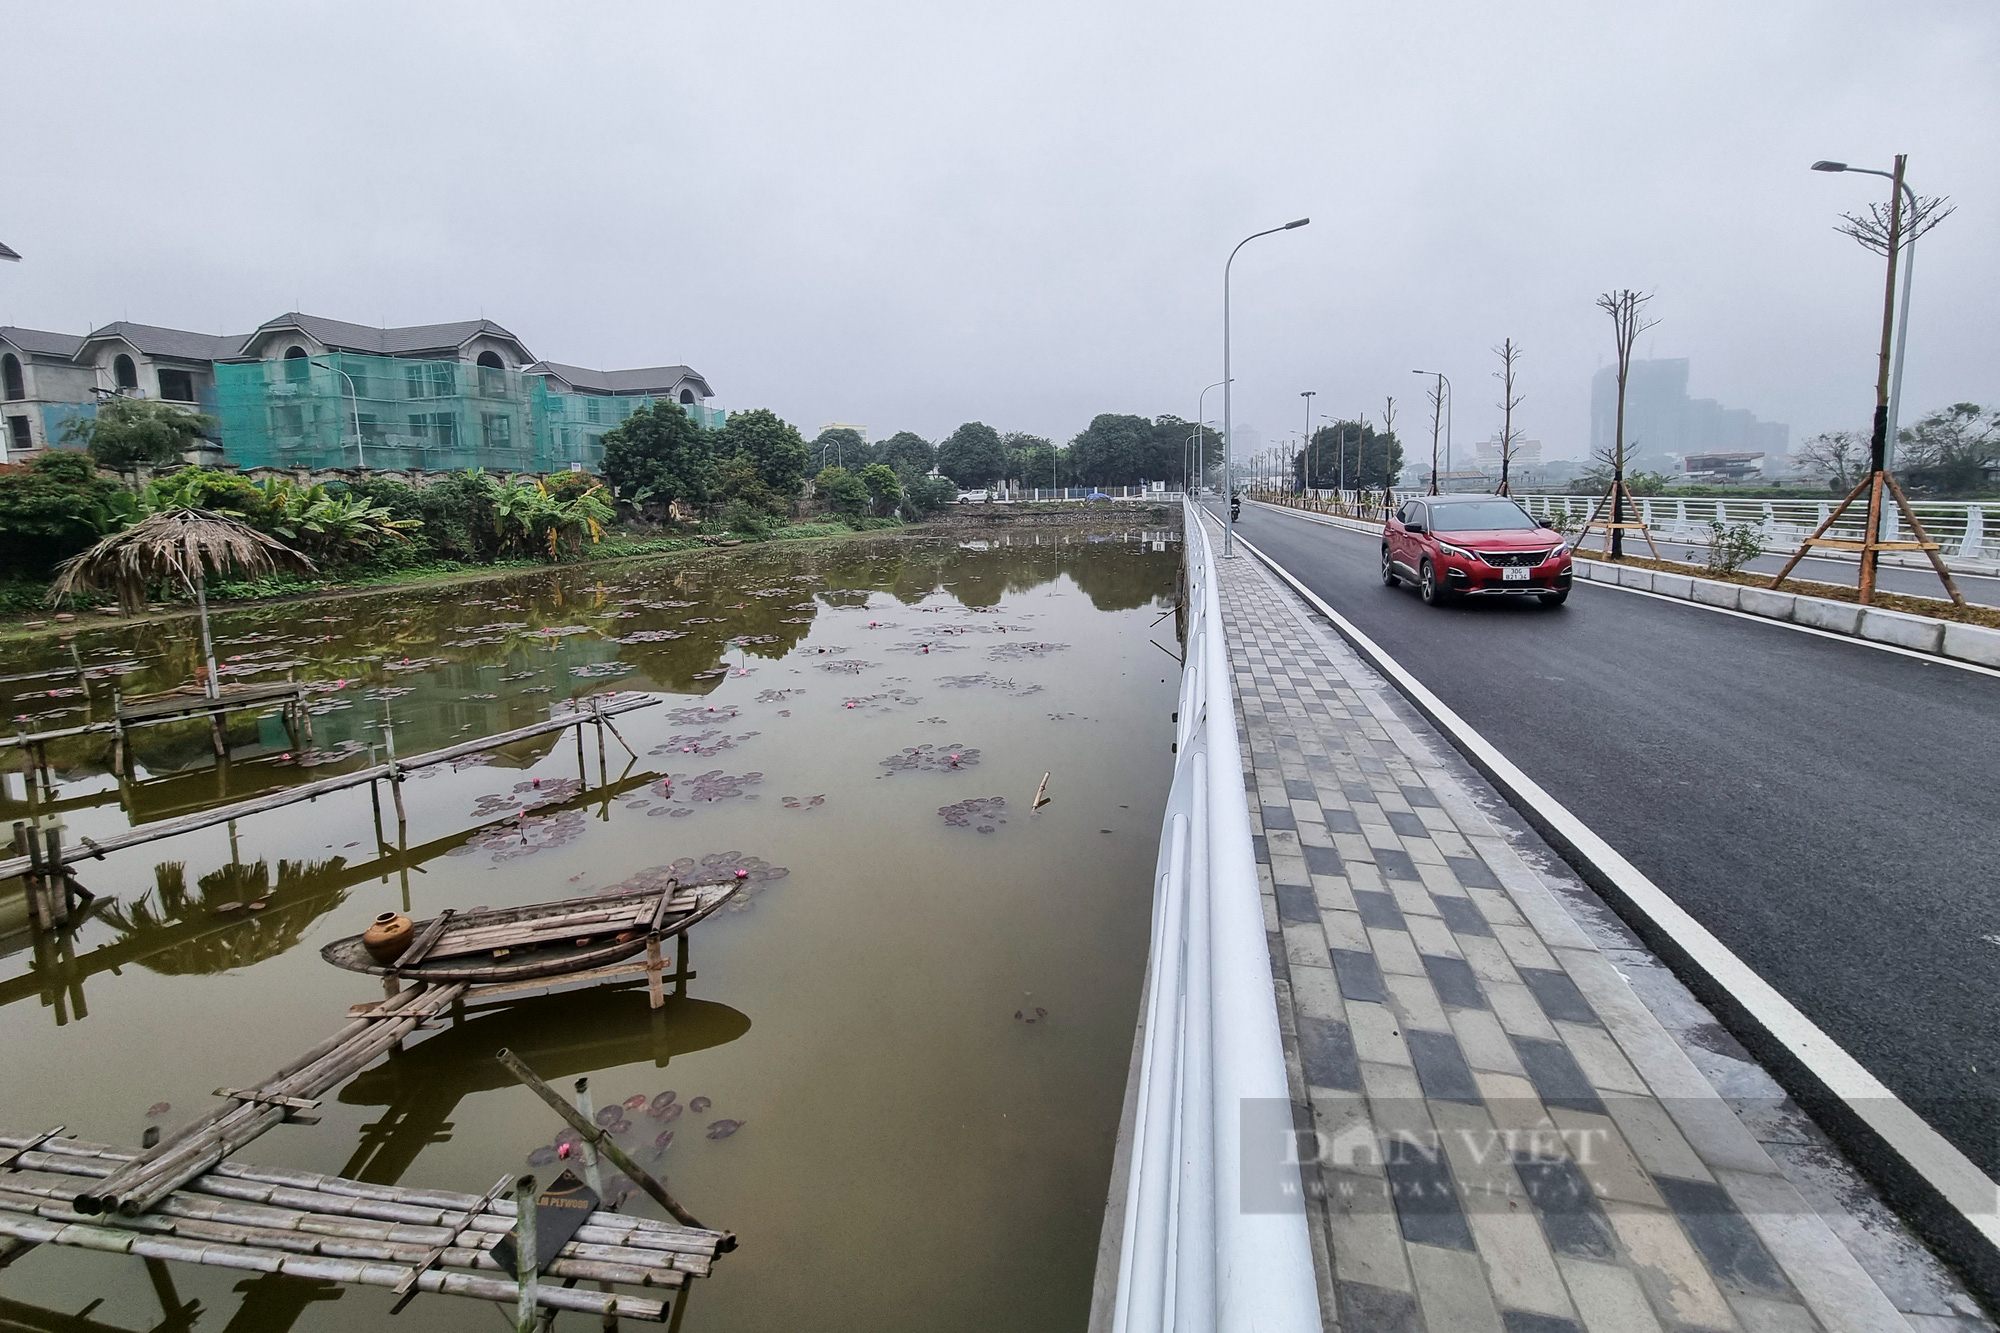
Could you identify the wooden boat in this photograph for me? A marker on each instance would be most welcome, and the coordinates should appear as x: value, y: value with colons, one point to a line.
x: 539, y: 939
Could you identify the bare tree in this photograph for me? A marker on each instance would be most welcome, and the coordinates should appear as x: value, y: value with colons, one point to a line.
x: 1436, y: 394
x: 1872, y: 229
x: 1841, y: 456
x: 1509, y: 400
x: 1388, y: 433
x: 1625, y: 307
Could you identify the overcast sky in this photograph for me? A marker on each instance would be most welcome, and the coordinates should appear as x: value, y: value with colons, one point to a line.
x: 909, y: 215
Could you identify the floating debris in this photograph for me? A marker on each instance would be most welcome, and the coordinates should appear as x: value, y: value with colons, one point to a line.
x: 980, y: 811
x: 946, y: 758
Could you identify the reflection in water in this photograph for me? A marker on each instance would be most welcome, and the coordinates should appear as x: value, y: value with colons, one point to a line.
x: 898, y: 1122
x: 559, y: 1036
x: 265, y: 920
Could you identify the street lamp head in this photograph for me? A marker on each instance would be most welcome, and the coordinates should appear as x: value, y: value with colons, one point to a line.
x: 1829, y: 166
x: 1298, y: 223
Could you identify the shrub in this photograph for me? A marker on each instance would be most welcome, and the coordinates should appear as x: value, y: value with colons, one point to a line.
x: 842, y: 490
x: 55, y: 505
x: 1732, y: 547
x: 927, y: 495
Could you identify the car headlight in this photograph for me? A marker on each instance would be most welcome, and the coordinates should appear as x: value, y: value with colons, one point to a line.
x: 1458, y: 551
x: 1562, y: 549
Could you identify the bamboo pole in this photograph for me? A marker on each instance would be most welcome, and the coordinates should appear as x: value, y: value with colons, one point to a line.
x: 526, y: 1268
x: 598, y: 1139
x: 313, y: 790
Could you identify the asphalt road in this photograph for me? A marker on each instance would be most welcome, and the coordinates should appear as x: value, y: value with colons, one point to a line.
x: 1829, y: 811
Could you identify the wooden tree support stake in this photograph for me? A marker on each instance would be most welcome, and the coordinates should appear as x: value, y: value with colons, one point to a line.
x: 1871, y: 544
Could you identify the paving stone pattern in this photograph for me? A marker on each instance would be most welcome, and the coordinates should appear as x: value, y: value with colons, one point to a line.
x: 1505, y: 1137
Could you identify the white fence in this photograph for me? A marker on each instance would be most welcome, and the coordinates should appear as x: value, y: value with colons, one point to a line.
x: 1958, y: 526
x: 1193, y: 1257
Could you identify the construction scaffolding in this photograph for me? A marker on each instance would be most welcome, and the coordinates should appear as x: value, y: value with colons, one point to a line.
x: 346, y: 410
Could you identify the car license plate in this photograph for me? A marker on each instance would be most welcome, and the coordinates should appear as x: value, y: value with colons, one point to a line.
x: 1515, y: 574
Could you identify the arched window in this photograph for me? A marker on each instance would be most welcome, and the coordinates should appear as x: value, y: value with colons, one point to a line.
x: 296, y: 366
x: 492, y: 374
x: 125, y: 373
x: 492, y: 358
x: 10, y: 369
x: 687, y: 396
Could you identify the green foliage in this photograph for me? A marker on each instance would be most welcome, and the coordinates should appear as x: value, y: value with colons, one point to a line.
x: 741, y: 518
x: 738, y: 480
x: 53, y: 506
x: 531, y: 517
x: 907, y: 452
x: 804, y: 531
x: 1358, y: 466
x: 127, y: 432
x: 843, y: 491
x: 208, y: 488
x: 884, y: 489
x: 329, y: 528
x: 1949, y: 449
x: 842, y: 447
x: 770, y: 442
x: 1731, y: 547
x: 973, y: 454
x: 928, y: 495
x: 658, y: 456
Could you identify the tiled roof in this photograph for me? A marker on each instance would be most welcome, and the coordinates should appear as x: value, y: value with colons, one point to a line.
x: 650, y: 380
x: 41, y: 342
x: 179, y: 344
x: 342, y: 336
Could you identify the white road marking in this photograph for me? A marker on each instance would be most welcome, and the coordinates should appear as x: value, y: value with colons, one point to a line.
x: 1953, y: 1179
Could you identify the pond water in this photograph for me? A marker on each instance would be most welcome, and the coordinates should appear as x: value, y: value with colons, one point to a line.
x: 914, y: 1152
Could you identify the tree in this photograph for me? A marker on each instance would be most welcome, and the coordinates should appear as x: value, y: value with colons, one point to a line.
x: 54, y: 505
x: 128, y: 432
x: 841, y: 489
x: 1509, y: 400
x: 1627, y: 323
x: 736, y: 479
x: 973, y: 455
x: 1949, y: 449
x: 770, y: 442
x: 884, y: 490
x: 927, y: 495
x: 1346, y: 455
x: 1033, y: 459
x: 907, y: 452
x: 844, y: 447
x: 1841, y: 456
x: 1113, y: 450
x: 657, y: 456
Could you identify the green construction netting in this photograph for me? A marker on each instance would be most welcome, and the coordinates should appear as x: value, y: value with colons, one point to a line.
x: 342, y: 410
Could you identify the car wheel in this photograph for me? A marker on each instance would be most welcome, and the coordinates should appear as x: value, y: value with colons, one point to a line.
x: 1389, y: 579
x: 1433, y: 592
x: 1555, y: 598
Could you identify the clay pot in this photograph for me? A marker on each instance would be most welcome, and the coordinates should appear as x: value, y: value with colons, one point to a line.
x: 387, y: 937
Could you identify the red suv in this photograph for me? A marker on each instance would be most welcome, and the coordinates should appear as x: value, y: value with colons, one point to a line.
x: 1474, y: 545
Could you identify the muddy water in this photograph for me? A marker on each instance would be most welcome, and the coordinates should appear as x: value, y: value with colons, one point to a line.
x: 913, y: 1152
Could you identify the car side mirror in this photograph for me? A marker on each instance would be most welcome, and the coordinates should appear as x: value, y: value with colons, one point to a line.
x: 1417, y: 528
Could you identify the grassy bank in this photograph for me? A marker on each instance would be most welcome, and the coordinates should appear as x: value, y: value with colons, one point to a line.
x: 24, y: 601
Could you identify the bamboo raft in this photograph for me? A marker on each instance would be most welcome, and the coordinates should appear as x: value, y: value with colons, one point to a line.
x: 302, y: 1224
x: 540, y: 939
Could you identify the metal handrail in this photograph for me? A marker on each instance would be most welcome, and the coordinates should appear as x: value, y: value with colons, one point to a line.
x: 1193, y: 1256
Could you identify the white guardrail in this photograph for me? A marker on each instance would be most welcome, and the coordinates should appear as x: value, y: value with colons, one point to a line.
x: 1194, y: 1257
x: 1957, y: 526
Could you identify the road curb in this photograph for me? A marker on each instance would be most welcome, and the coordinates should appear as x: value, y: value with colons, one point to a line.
x: 1945, y: 1196
x: 1960, y: 642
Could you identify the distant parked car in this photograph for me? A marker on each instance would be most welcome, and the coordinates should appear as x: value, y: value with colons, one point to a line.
x: 974, y: 497
x: 1474, y: 545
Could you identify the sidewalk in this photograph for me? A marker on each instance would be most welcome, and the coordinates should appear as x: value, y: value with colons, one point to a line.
x: 1509, y: 1136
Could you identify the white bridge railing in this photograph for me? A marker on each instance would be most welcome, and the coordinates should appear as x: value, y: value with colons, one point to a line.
x: 1194, y: 1256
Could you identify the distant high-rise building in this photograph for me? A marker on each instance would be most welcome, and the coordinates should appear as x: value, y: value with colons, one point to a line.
x: 1664, y: 425
x: 860, y: 430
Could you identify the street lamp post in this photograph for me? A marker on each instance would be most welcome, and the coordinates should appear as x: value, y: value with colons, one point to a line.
x: 1201, y: 435
x: 1909, y: 276
x: 354, y: 401
x: 1228, y: 431
x: 1306, y: 451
